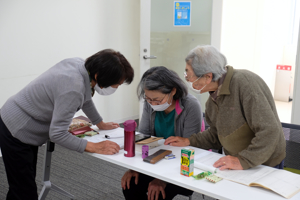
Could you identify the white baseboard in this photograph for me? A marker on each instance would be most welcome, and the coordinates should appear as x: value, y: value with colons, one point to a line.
x: 119, y: 121
x: 0, y: 153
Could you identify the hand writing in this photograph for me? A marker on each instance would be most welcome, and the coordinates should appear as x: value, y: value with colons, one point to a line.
x: 105, y: 147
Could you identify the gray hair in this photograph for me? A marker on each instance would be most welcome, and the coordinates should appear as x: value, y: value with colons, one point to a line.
x: 207, y: 59
x: 162, y: 79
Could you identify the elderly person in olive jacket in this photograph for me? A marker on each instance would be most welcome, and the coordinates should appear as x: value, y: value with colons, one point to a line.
x: 240, y: 111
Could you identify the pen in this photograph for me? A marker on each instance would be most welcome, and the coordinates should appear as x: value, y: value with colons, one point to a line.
x: 110, y: 137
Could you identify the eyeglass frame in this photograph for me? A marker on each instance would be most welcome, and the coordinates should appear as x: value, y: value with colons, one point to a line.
x: 154, y: 101
x: 186, y: 76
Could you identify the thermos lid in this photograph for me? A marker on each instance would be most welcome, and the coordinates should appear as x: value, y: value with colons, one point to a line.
x: 129, y: 125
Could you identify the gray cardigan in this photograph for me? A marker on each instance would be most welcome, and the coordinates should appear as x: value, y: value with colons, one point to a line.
x: 45, y: 107
x: 188, y: 117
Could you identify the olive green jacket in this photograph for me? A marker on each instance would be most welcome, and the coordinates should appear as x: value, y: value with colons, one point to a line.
x: 244, y: 121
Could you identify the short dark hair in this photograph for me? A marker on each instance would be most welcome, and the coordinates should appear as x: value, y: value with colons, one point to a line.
x: 111, y: 68
x: 162, y: 79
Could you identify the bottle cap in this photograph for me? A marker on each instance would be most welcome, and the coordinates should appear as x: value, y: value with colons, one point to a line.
x: 129, y: 125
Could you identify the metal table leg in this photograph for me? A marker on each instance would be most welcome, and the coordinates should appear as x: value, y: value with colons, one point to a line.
x: 47, y: 185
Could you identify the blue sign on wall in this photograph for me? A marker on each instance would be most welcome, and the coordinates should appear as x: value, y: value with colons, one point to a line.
x: 182, y: 13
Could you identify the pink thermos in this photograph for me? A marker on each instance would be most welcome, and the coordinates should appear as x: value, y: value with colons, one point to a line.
x: 129, y: 138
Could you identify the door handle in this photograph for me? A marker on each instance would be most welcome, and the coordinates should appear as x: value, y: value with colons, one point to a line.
x: 150, y: 57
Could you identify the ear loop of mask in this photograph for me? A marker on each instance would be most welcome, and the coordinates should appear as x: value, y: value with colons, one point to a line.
x: 193, y: 89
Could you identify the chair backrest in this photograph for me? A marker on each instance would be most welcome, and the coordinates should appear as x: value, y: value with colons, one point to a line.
x: 292, y: 137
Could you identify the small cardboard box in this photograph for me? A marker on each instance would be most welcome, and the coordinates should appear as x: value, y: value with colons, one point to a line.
x: 187, y: 162
x: 151, y: 145
x: 152, y: 142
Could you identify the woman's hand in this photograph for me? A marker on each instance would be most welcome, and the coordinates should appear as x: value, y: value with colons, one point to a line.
x: 125, y: 181
x: 177, y: 141
x: 106, y: 147
x: 228, y: 162
x: 155, y: 187
x: 107, y: 126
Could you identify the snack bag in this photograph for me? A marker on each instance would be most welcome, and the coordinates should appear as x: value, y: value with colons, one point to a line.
x: 79, y: 126
x: 202, y: 175
x: 213, y: 178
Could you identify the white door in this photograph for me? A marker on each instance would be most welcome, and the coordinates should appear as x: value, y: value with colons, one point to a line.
x: 163, y: 43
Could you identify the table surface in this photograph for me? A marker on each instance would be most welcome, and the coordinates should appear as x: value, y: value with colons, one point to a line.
x: 169, y: 171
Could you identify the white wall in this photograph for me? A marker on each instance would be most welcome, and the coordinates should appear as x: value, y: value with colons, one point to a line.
x: 289, y: 57
x: 34, y: 35
x: 296, y: 102
x: 253, y: 35
x: 216, y: 26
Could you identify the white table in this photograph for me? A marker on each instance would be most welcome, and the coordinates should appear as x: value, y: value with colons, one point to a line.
x: 169, y: 171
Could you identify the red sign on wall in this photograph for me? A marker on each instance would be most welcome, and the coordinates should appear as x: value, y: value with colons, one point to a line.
x: 284, y: 67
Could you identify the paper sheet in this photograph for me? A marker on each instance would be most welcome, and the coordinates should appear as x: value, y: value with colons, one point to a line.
x: 116, y: 134
x: 245, y: 176
x: 283, y: 182
x: 206, y: 160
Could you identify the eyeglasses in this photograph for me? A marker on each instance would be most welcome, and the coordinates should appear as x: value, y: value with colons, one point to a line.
x: 154, y: 101
x: 187, y: 78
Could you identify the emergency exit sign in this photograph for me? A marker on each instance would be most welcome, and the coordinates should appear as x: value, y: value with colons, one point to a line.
x: 284, y: 67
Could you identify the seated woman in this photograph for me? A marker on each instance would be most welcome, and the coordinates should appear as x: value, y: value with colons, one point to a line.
x: 168, y: 111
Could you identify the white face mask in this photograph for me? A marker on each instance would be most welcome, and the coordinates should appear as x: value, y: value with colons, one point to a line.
x: 161, y: 107
x: 105, y: 91
x: 195, y: 90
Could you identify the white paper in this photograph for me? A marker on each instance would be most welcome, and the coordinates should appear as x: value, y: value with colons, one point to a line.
x: 206, y: 160
x: 283, y: 182
x: 117, y: 136
x: 246, y: 176
x: 280, y: 181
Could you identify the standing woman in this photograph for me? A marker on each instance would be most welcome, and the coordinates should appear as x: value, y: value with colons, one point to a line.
x: 44, y: 110
x: 168, y: 111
